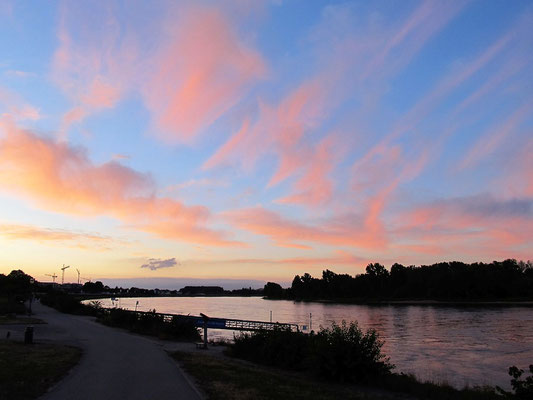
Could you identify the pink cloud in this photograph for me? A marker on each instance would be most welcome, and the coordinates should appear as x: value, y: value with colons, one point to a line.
x: 516, y: 179
x: 480, y: 225
x: 290, y: 233
x: 224, y: 152
x: 198, y: 70
x: 315, y: 187
x: 59, y: 237
x: 281, y: 130
x: 61, y: 178
x: 201, y: 72
x: 93, y: 64
x: 353, y: 68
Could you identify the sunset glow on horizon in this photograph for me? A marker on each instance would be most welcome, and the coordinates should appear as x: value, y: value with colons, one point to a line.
x: 256, y: 140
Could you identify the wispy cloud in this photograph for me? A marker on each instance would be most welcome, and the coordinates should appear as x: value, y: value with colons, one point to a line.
x: 59, y: 237
x: 15, y: 73
x: 199, y: 69
x: 202, y: 70
x: 13, y: 106
x: 471, y: 224
x: 346, y: 230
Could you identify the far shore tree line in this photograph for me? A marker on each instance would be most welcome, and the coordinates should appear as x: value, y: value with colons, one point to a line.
x: 445, y: 281
x: 17, y: 286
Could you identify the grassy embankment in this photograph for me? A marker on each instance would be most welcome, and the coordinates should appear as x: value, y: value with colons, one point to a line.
x: 222, y: 378
x: 27, y: 371
x: 225, y: 378
x: 338, y: 362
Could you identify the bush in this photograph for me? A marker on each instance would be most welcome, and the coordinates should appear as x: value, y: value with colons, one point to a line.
x: 279, y: 348
x: 523, y: 388
x: 343, y: 352
x: 340, y: 353
x: 150, y: 324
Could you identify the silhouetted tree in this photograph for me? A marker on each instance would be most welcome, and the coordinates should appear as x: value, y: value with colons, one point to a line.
x: 273, y: 290
x: 93, y: 287
x: 454, y: 280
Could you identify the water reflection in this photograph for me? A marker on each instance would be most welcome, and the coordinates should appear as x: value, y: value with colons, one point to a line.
x: 463, y: 346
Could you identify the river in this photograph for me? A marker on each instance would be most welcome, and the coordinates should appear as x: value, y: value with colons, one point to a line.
x: 459, y: 345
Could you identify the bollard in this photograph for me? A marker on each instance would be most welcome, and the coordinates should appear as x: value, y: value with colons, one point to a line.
x: 28, y: 335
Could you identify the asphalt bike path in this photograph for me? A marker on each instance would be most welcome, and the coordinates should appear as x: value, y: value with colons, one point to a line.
x: 115, y: 365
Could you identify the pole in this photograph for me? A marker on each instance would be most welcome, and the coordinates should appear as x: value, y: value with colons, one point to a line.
x: 310, y: 322
x: 205, y: 333
x: 270, y: 315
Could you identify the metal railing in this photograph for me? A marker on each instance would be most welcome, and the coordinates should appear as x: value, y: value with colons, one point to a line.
x: 224, y: 323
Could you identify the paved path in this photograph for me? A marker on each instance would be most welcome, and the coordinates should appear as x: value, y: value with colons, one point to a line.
x: 115, y: 365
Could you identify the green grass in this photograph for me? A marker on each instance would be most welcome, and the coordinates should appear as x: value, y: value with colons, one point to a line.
x: 27, y: 371
x: 229, y: 379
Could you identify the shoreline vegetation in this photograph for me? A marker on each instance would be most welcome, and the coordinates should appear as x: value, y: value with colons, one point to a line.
x: 509, y: 282
x: 340, y: 356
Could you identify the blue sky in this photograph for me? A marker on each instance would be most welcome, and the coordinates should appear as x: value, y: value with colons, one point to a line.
x: 257, y: 139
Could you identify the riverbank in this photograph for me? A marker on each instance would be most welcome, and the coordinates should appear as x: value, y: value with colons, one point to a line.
x: 418, y: 302
x: 222, y: 377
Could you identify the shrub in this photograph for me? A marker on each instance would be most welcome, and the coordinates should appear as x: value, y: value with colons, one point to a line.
x: 279, y: 348
x: 523, y: 388
x: 342, y: 352
x: 151, y: 324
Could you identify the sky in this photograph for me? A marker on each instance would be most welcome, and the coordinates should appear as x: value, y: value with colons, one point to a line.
x: 257, y: 140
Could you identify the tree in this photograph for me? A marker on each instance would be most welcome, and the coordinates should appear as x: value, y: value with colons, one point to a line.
x: 273, y: 290
x: 377, y: 270
x: 93, y: 287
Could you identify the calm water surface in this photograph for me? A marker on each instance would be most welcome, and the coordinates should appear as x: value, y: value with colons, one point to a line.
x: 460, y: 345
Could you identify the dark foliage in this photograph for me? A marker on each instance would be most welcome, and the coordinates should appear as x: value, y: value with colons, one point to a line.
x: 273, y: 290
x: 447, y: 281
x: 94, y: 287
x: 340, y: 353
x: 150, y: 324
x: 345, y: 353
x: 67, y: 303
x: 522, y: 388
x: 15, y: 288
